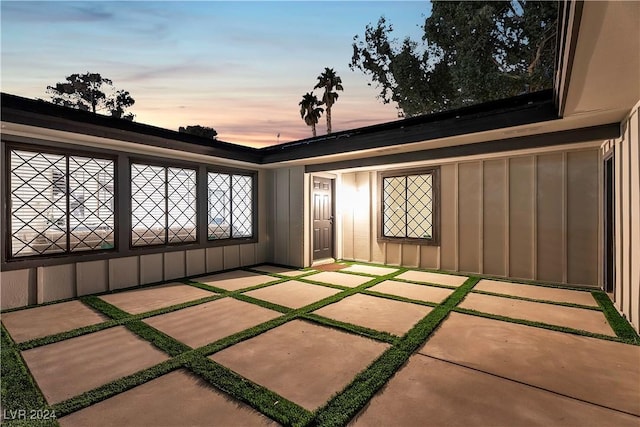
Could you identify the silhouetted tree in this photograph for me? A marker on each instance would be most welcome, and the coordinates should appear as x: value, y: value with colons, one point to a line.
x: 330, y: 82
x: 309, y: 110
x: 92, y: 92
x: 203, y: 131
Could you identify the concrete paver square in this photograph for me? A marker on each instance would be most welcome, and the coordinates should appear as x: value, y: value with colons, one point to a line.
x: 536, y: 292
x: 291, y: 272
x: 205, y: 323
x: 68, y: 368
x: 570, y: 317
x: 381, y: 314
x: 175, y: 399
x: 603, y: 372
x: 293, y: 294
x: 449, y: 395
x: 301, y: 361
x: 413, y: 291
x: 234, y: 280
x: 38, y: 322
x: 370, y: 269
x: 437, y: 278
x: 337, y: 278
x: 138, y: 301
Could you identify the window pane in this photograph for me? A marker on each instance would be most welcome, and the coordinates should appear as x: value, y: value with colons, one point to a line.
x: 181, y: 186
x: 393, y: 200
x: 91, y: 200
x: 38, y: 203
x: 420, y: 206
x: 219, y: 222
x: 242, y: 206
x: 148, y: 219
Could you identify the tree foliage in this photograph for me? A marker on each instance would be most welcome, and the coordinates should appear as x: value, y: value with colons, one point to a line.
x: 330, y: 82
x: 92, y: 92
x: 310, y: 111
x: 203, y: 131
x: 470, y: 52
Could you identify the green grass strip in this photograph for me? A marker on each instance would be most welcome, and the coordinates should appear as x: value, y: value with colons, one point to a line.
x: 358, y: 330
x: 560, y: 303
x: 262, y: 303
x: 269, y: 403
x: 620, y: 326
x: 344, y: 406
x: 161, y: 340
x: 37, y: 342
x: 18, y: 390
x: 115, y: 387
x: 398, y: 298
x: 104, y: 307
x: 544, y: 326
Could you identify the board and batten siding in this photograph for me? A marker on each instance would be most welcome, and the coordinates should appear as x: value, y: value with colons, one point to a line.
x: 286, y: 216
x: 627, y: 217
x: 530, y: 217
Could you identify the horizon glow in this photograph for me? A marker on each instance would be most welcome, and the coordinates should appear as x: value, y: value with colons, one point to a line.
x: 239, y: 67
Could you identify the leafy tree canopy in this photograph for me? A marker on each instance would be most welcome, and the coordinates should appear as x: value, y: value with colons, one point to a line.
x: 470, y: 52
x: 92, y: 92
x: 203, y: 131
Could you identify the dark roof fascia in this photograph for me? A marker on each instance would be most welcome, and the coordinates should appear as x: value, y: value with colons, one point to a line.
x: 550, y: 139
x: 520, y: 110
x: 515, y: 111
x: 16, y: 109
x: 566, y: 47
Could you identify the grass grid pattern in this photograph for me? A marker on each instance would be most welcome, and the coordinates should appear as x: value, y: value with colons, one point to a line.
x: 20, y: 391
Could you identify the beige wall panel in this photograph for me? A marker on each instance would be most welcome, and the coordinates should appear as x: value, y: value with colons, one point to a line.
x: 296, y: 217
x: 377, y: 248
x: 264, y: 213
x: 549, y: 214
x: 429, y: 257
x: 231, y: 256
x: 92, y: 277
x: 626, y: 226
x: 448, y: 220
x: 469, y: 205
x: 361, y: 218
x: 410, y: 255
x: 196, y: 263
x: 248, y: 255
x: 582, y: 217
x: 634, y: 136
x: 348, y: 194
x: 56, y: 282
x: 215, y: 259
x: 618, y: 223
x: 521, y: 217
x: 394, y: 253
x: 174, y: 265
x: 280, y: 234
x: 123, y: 272
x: 151, y: 268
x: 494, y: 217
x: 18, y: 288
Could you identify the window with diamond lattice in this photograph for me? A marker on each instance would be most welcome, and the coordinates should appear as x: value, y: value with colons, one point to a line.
x: 409, y: 206
x: 60, y: 203
x: 163, y: 205
x: 230, y: 206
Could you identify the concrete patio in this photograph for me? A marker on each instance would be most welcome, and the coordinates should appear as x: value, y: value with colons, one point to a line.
x: 272, y: 345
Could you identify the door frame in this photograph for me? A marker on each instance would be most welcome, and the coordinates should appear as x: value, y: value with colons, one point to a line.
x: 334, y: 235
x: 609, y: 223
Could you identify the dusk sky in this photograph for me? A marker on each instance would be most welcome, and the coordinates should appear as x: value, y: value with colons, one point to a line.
x: 239, y: 67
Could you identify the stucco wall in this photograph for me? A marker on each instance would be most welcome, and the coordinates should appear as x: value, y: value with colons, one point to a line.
x: 627, y: 218
x: 531, y: 217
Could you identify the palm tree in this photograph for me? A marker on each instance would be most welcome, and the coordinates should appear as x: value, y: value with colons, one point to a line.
x: 329, y: 81
x: 310, y: 111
